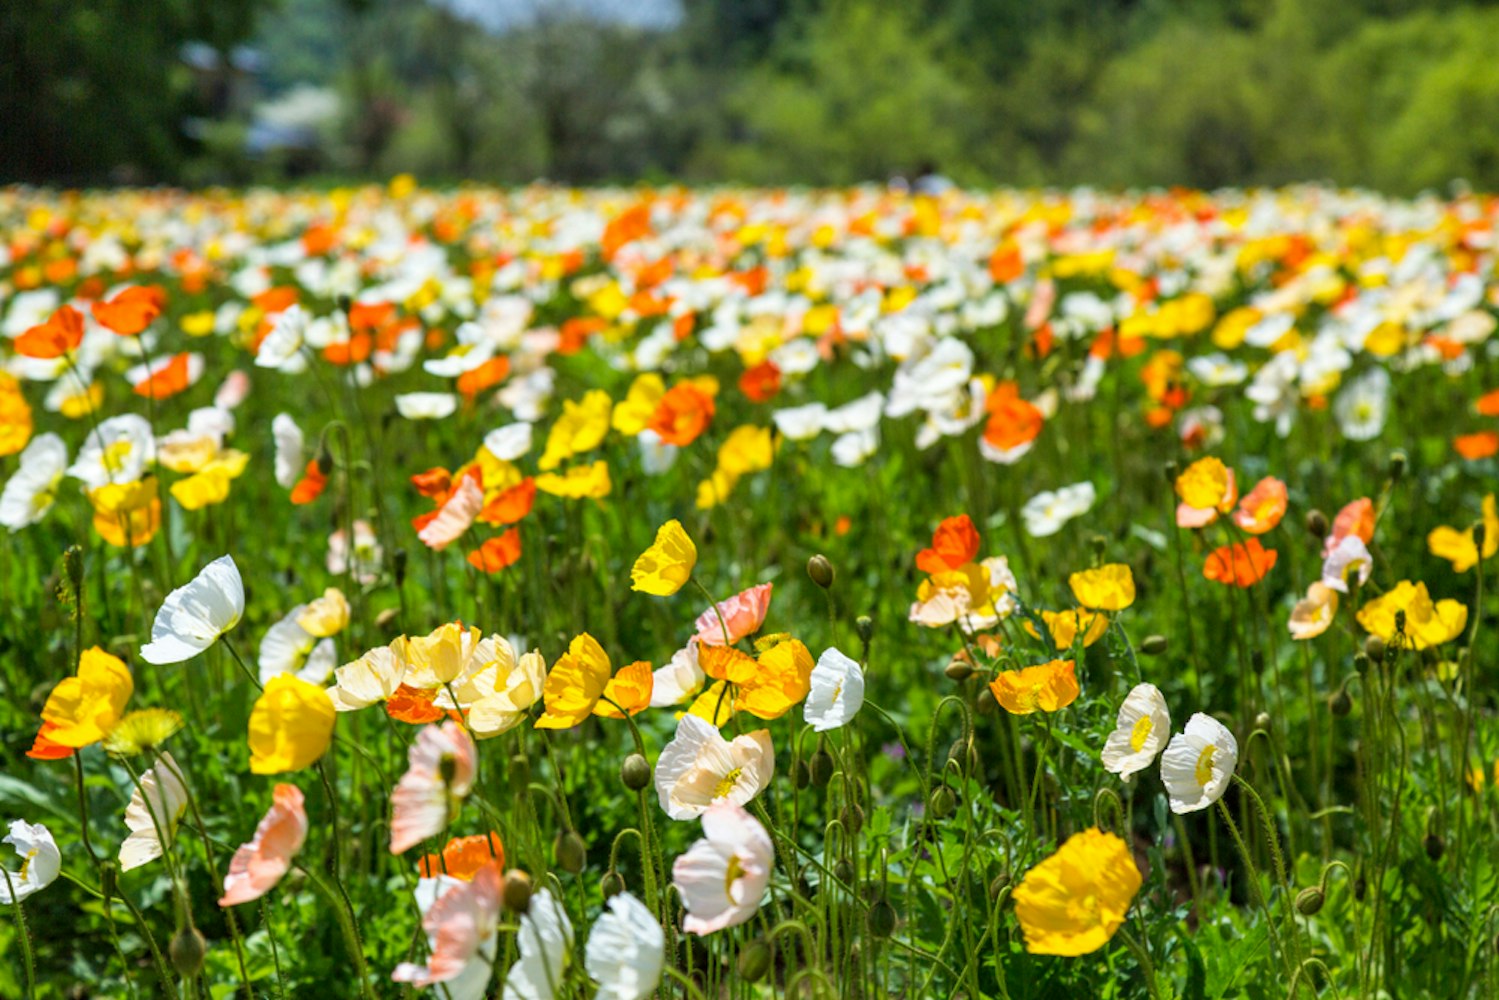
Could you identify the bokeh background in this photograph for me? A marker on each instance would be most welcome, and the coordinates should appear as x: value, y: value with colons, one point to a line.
x: 1398, y: 95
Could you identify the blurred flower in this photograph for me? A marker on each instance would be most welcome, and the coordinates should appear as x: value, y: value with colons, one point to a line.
x: 455, y: 515
x: 1066, y: 626
x: 1426, y: 623
x: 439, y: 775
x: 837, y: 691
x: 545, y: 939
x: 578, y: 482
x: 1110, y: 587
x: 142, y: 731
x: 1349, y: 560
x: 626, y: 950
x: 260, y: 863
x: 1261, y: 508
x: 84, y: 708
x: 1046, y: 687
x: 41, y: 861
x: 1313, y: 613
x: 327, y: 615
x: 461, y: 920
x: 290, y: 447
x: 131, y: 310
x: 463, y: 857
x: 1140, y: 731
x: 1073, y: 901
x: 1457, y: 547
x: 159, y: 801
x: 955, y: 543
x: 699, y: 768
x: 1046, y: 513
x: 366, y: 553
x: 117, y: 452
x: 1360, y: 408
x: 1355, y: 518
x: 1242, y: 564
x: 288, y: 648
x: 29, y: 494
x: 581, y: 428
x: 723, y: 876
x: 1206, y: 488
x: 663, y: 568
x: 195, y: 615
x: 1198, y: 764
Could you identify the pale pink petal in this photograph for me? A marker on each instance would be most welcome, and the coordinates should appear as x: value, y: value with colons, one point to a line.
x: 420, y: 802
x: 1194, y: 517
x: 743, y: 613
x: 457, y: 513
x: 259, y: 864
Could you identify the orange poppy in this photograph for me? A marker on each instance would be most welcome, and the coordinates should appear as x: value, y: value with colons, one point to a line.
x: 762, y: 382
x: 413, y: 705
x: 43, y: 748
x: 1262, y: 507
x: 497, y: 553
x: 349, y: 352
x: 955, y: 543
x: 1242, y: 564
x: 486, y: 376
x: 1488, y: 404
x: 131, y: 311
x: 168, y: 380
x: 463, y: 856
x: 62, y: 333
x: 682, y: 414
x: 1012, y: 421
x: 435, y: 483
x: 725, y: 663
x: 1475, y: 446
x: 576, y: 331
x: 511, y: 505
x: 310, y: 486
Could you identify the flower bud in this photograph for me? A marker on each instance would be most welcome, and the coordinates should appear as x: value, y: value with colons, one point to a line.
x: 754, y: 960
x: 987, y: 704
x: 881, y: 919
x: 1309, y: 901
x: 1154, y: 645
x: 519, y: 773
x: 853, y: 818
x: 1262, y: 721
x: 820, y: 570
x: 1400, y: 621
x: 1435, y: 846
x: 1374, y: 648
x: 998, y: 884
x: 517, y: 891
x: 1480, y: 535
x: 801, y: 775
x: 187, y: 950
x: 398, y: 565
x: 843, y: 871
x: 324, y: 459
x: 612, y: 884
x: 958, y: 668
x: 1171, y: 469
x: 864, y: 625
x: 822, y: 768
x: 571, y: 852
x: 1360, y: 887
x: 635, y: 772
x: 1397, y: 465
x: 1316, y: 524
x: 942, y: 803
x: 1340, y: 704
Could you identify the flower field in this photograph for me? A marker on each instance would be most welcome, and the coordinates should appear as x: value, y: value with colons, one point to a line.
x: 748, y: 593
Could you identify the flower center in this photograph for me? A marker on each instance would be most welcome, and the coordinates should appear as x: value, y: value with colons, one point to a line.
x: 727, y: 782
x: 115, y: 454
x: 1140, y: 733
x: 1204, y: 771
x: 732, y: 874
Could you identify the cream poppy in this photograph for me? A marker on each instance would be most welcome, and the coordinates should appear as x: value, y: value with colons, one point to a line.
x: 722, y: 878
x: 262, y: 861
x: 1313, y: 613
x: 837, y: 691
x: 158, y: 802
x: 699, y: 768
x: 288, y: 648
x: 41, y: 861
x: 1140, y: 730
x: 195, y: 615
x: 291, y: 457
x: 1199, y: 763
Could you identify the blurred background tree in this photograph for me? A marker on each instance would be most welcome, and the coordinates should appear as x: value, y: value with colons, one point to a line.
x: 1396, y: 94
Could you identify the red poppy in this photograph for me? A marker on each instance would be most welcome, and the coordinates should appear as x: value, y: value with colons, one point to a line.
x: 682, y: 414
x: 762, y: 382
x: 413, y: 705
x: 497, y: 553
x: 1242, y: 564
x: 310, y: 486
x: 62, y: 332
x: 954, y: 543
x: 168, y: 380
x: 1012, y: 421
x: 510, y: 505
x: 43, y: 748
x: 131, y: 311
x: 1475, y: 446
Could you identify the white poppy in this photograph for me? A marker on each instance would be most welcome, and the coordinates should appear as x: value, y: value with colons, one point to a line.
x: 1349, y: 560
x: 656, y: 456
x: 1047, y: 512
x: 194, y: 615
x: 853, y: 448
x: 1140, y: 730
x: 626, y: 950
x: 800, y: 423
x: 40, y: 861
x: 284, y: 341
x: 157, y: 805
x: 29, y: 493
x: 366, y: 555
x: 679, y: 679
x: 723, y: 876
x: 426, y: 405
x: 1362, y: 405
x: 1198, y: 764
x: 510, y: 442
x: 290, y: 455
x: 863, y: 414
x: 837, y: 691
x: 699, y: 768
x: 116, y: 452
x: 288, y: 648
x: 545, y: 939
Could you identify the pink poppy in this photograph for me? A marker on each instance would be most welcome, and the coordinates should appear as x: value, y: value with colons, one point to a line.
x: 259, y: 864
x: 1261, y: 508
x: 440, y: 775
x: 455, y: 515
x: 461, y: 920
x: 1347, y: 561
x: 233, y: 390
x: 723, y: 876
x: 743, y: 613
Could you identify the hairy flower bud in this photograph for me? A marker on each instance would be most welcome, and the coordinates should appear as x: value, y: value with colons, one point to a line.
x: 822, y: 768
x: 635, y: 772
x: 958, y: 668
x: 820, y: 570
x: 1309, y: 901
x: 1398, y: 462
x: 754, y: 960
x: 942, y: 803
x: 1154, y: 645
x: 187, y: 950
x: 517, y: 892
x: 881, y: 918
x: 571, y: 852
x: 612, y: 884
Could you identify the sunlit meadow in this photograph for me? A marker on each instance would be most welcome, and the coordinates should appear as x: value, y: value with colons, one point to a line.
x: 748, y: 593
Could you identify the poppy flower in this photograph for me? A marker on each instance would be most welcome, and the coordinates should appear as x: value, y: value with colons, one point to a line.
x: 626, y: 950
x: 682, y: 414
x: 155, y: 809
x: 1483, y: 444
x: 30, y: 493
x: 291, y: 725
x: 837, y: 691
x: 581, y: 428
x: 578, y: 482
x: 629, y: 688
x: 1074, y: 901
x: 1066, y: 626
x: 439, y: 775
x: 574, y: 684
x: 59, y: 336
x: 699, y: 768
x: 680, y: 678
x: 1046, y: 687
x: 463, y: 857
x: 1348, y: 561
x: 955, y: 543
x: 1140, y: 731
x: 510, y: 505
x: 1460, y: 547
x: 461, y: 920
x: 1206, y: 488
x: 41, y: 861
x: 761, y: 383
x: 741, y: 615
x: 545, y: 939
x: 1110, y: 587
x: 195, y: 615
x: 1427, y: 623
x: 1012, y: 426
x: 722, y: 877
x: 1262, y: 508
x: 497, y: 553
x: 1355, y: 518
x: 1242, y: 564
x: 1313, y: 613
x: 455, y: 515
x: 83, y: 709
x: 782, y: 678
x: 663, y: 568
x: 1198, y: 764
x: 260, y: 863
x: 167, y: 377
x: 132, y: 310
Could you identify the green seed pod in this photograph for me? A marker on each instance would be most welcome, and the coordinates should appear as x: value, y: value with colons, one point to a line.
x: 1154, y: 645
x: 822, y: 768
x: 1400, y: 620
x: 754, y: 960
x: 1480, y: 535
x: 1360, y: 887
x: 517, y: 892
x: 1316, y: 524
x: 820, y: 570
x: 635, y: 772
x: 324, y: 459
x: 1398, y: 462
x: 864, y: 625
x: 881, y: 919
x: 942, y: 803
x: 571, y: 852
x: 612, y: 884
x: 186, y: 951
x: 1309, y: 901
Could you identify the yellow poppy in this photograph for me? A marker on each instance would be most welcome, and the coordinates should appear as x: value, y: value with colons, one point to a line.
x: 1065, y: 625
x: 634, y: 413
x: 83, y: 709
x: 328, y: 615
x: 1459, y: 547
x: 578, y: 482
x: 1046, y: 687
x: 291, y: 725
x: 1426, y: 623
x: 782, y: 682
x: 581, y: 428
x: 630, y: 689
x: 573, y: 687
x: 1104, y: 588
x: 127, y: 514
x: 1073, y: 902
x: 663, y: 568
